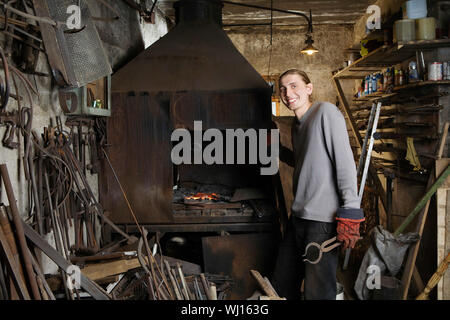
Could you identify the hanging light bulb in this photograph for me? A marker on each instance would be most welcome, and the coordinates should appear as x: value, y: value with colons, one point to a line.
x: 309, y: 49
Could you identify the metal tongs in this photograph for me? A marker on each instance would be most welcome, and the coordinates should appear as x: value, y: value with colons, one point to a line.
x: 326, y: 246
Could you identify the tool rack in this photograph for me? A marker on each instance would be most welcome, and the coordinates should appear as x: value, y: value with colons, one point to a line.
x: 417, y: 110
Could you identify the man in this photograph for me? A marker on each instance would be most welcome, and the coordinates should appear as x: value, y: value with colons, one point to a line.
x: 326, y: 202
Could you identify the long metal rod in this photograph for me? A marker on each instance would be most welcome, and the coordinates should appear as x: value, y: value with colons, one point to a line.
x: 20, y: 233
x: 365, y: 156
x: 369, y: 151
x: 273, y: 9
x: 366, y: 138
x: 268, y: 9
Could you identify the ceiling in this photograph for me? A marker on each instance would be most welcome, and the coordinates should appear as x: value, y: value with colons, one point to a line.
x: 323, y: 11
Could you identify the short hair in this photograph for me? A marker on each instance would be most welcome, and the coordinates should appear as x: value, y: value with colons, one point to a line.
x: 300, y: 73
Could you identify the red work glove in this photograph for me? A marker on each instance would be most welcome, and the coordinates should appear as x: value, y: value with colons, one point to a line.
x: 348, y: 221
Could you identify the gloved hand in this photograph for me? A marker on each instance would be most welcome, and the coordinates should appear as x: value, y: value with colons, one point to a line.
x: 348, y: 221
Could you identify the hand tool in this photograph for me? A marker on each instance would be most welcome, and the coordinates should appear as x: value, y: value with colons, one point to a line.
x: 12, y: 121
x: 326, y: 246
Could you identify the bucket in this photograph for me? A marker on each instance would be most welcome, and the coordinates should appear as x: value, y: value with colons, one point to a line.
x: 416, y: 9
x: 339, y: 291
x: 405, y: 30
x: 426, y: 29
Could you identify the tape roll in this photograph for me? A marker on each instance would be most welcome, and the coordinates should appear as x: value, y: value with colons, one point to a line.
x: 416, y: 9
x: 405, y: 30
x: 426, y: 28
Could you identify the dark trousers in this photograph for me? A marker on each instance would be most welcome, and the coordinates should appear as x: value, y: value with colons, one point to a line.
x: 290, y: 270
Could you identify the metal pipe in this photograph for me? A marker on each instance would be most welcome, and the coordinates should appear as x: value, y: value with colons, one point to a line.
x: 272, y: 9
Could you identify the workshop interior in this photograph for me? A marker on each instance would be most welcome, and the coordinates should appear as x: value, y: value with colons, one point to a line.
x: 96, y: 96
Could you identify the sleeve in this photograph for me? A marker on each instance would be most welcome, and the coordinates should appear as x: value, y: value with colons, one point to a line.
x: 339, y: 150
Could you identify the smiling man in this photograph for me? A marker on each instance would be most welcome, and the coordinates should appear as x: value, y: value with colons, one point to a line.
x: 326, y: 202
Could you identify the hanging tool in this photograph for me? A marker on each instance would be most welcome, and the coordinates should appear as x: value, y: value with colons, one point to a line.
x: 411, y: 155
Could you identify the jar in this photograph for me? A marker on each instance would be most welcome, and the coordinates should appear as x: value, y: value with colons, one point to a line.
x: 435, y: 71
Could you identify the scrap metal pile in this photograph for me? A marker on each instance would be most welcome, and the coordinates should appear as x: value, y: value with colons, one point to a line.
x: 62, y: 220
x: 65, y: 212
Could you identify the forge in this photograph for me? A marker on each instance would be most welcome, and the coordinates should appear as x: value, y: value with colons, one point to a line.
x: 192, y: 74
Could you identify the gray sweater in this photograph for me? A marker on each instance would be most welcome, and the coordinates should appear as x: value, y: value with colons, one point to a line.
x: 325, y: 171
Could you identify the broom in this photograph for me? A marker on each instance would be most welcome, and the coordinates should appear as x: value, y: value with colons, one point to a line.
x: 435, y: 278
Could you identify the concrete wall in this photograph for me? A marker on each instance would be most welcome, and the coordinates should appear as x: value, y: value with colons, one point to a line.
x: 331, y: 41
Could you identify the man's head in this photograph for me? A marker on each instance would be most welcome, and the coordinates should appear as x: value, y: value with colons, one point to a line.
x: 296, y: 90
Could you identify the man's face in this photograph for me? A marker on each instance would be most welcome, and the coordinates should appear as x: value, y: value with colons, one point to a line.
x: 295, y: 92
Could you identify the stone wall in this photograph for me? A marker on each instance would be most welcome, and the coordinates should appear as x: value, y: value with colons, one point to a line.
x: 284, y: 54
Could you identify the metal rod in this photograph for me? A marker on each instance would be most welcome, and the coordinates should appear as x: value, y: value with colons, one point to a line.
x: 271, y: 9
x: 20, y: 233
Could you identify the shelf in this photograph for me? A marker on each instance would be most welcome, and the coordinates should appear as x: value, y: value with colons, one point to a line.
x: 422, y: 84
x: 374, y: 97
x: 387, y: 56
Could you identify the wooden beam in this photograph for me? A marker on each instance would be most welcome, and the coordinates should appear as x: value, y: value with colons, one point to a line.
x: 97, y: 271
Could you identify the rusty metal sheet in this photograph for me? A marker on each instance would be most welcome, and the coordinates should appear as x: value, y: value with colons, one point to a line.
x: 234, y: 176
x: 236, y: 255
x: 139, y: 137
x: 53, y: 48
x: 221, y: 110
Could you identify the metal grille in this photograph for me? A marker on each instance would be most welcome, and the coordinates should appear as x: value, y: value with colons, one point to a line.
x: 84, y: 53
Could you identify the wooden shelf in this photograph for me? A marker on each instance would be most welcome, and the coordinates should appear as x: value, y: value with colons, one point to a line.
x: 374, y: 96
x: 387, y: 56
x: 421, y: 84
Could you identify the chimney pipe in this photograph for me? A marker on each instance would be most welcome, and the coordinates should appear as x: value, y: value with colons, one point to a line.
x: 198, y: 11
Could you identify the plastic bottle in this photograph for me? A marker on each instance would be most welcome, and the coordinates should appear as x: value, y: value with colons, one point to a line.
x: 379, y: 81
x: 374, y: 83
x: 366, y: 85
x: 413, y: 74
